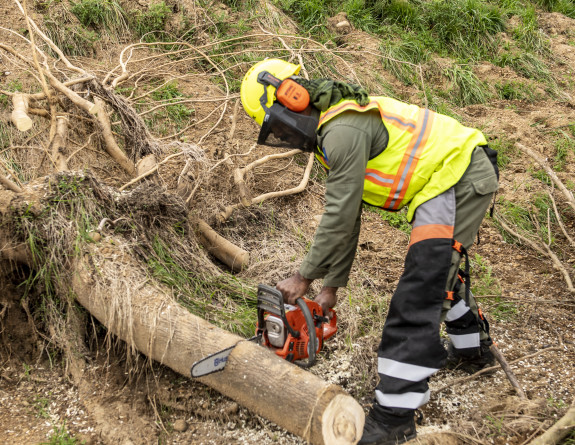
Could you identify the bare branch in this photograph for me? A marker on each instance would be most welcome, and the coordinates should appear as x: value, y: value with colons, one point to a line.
x: 545, y: 250
x: 223, y: 216
x: 550, y: 173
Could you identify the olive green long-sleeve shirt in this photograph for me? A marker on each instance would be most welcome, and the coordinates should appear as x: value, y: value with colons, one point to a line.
x: 349, y: 141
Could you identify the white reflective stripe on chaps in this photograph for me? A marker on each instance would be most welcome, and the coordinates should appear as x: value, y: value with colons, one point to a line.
x: 405, y: 371
x: 408, y: 400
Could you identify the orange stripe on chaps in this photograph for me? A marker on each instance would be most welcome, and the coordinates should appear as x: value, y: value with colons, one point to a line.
x: 429, y: 231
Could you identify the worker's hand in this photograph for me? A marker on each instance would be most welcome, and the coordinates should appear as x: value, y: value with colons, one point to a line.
x: 327, y: 299
x: 293, y: 288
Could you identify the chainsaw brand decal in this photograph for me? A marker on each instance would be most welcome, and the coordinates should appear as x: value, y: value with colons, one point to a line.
x: 220, y: 360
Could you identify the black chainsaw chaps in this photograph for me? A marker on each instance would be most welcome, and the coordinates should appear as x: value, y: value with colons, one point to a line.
x: 410, y: 337
x: 411, y: 331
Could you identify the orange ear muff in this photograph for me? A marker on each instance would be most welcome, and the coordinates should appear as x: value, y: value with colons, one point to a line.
x: 292, y: 95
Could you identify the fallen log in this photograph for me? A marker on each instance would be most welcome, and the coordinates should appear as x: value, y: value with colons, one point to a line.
x: 228, y: 253
x: 151, y: 321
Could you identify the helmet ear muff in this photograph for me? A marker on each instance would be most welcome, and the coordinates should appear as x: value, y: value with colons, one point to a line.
x: 292, y: 95
x: 289, y: 93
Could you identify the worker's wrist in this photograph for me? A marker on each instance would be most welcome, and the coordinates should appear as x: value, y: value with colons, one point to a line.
x: 302, y: 279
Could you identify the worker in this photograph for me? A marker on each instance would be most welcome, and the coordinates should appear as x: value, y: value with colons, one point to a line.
x: 388, y: 154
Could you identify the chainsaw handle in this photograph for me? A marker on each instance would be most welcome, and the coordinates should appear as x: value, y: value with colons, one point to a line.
x: 313, y: 342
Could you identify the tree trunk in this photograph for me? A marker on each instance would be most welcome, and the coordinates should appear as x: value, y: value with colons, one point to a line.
x: 149, y: 320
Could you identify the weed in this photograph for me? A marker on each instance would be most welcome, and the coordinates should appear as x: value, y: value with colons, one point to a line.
x: 176, y: 115
x: 399, y: 58
x: 505, y: 150
x: 516, y: 90
x: 556, y: 403
x: 4, y: 135
x: 395, y: 219
x: 61, y: 436
x: 149, y: 23
x: 240, y: 5
x: 467, y: 87
x: 14, y: 85
x: 563, y: 146
x: 484, y: 283
x: 502, y: 310
x: 42, y: 407
x: 496, y: 424
x: 72, y: 39
x: 100, y: 14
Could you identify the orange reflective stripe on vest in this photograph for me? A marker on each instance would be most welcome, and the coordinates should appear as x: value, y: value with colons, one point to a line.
x: 410, y: 159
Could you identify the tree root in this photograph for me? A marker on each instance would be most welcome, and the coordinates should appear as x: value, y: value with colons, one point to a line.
x: 559, y: 431
x: 243, y: 191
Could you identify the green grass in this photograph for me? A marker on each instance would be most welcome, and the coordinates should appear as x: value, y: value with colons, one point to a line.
x: 223, y: 300
x: 73, y: 40
x: 564, y: 146
x: 506, y: 150
x: 516, y: 90
x: 42, y: 407
x: 100, y: 14
x: 484, y: 283
x: 528, y: 34
x: 150, y: 24
x: 399, y: 56
x: 527, y: 65
x: 4, y: 136
x: 482, y: 279
x: 61, y: 436
x: 565, y: 7
x: 530, y: 220
x: 465, y: 29
x: 173, y: 116
x: 466, y: 88
x: 395, y: 219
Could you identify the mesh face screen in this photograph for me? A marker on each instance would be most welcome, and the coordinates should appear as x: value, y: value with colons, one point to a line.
x: 283, y: 128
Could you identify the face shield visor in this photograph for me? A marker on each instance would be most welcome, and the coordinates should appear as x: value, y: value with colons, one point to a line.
x: 286, y: 129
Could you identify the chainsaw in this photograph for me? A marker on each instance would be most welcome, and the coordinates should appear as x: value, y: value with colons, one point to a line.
x: 295, y: 333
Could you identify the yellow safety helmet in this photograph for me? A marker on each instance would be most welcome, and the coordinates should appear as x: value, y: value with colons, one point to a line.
x: 252, y: 90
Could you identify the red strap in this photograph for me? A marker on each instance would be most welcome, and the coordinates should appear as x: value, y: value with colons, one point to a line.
x: 450, y: 294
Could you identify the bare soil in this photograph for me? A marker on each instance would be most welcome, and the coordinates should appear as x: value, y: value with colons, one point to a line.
x: 124, y: 399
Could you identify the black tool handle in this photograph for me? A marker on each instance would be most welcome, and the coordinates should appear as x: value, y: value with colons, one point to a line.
x: 312, y: 344
x: 271, y: 300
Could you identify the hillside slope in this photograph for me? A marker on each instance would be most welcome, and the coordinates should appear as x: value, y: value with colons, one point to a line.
x: 174, y: 68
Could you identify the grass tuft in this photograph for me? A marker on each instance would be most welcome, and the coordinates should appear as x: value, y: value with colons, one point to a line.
x: 100, y: 14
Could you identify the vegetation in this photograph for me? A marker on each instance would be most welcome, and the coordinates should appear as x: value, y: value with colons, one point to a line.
x: 61, y: 436
x: 100, y: 14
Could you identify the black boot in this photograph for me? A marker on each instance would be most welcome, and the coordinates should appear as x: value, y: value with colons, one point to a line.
x: 470, y: 364
x: 383, y: 428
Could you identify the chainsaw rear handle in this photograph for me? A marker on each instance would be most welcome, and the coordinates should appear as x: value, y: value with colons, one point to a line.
x: 271, y: 300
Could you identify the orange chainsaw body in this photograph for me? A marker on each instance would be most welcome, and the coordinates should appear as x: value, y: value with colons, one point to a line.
x: 285, y: 329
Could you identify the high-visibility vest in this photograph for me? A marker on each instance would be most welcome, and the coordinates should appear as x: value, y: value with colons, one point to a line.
x: 427, y: 153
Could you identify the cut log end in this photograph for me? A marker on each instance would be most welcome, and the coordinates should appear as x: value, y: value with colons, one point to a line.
x: 342, y: 421
x: 20, y: 116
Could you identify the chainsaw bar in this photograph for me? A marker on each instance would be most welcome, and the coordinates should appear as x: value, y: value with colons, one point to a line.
x: 215, y: 362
